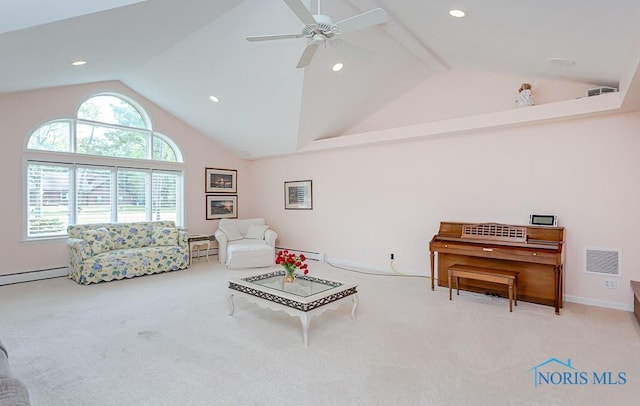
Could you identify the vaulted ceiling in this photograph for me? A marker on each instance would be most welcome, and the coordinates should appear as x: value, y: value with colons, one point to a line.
x: 178, y: 53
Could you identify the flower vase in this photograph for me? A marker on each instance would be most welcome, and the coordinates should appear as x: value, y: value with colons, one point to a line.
x: 289, y: 275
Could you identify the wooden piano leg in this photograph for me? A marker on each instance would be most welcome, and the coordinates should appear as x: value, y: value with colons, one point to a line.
x: 511, y: 298
x: 556, y: 280
x: 431, y: 259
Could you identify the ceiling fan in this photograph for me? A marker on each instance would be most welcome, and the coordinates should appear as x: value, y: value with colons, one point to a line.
x: 321, y: 29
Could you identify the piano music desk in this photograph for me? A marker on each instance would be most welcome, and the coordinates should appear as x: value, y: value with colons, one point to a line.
x: 509, y: 278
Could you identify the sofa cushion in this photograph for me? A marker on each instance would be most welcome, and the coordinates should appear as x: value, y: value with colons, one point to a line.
x: 231, y: 231
x: 13, y: 392
x: 131, y: 235
x: 99, y: 240
x: 162, y: 236
x: 256, y: 231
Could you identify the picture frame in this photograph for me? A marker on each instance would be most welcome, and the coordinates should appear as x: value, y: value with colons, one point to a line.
x: 298, y: 195
x: 220, y: 180
x: 221, y: 207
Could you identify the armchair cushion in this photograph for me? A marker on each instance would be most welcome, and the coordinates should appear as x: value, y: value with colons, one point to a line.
x: 256, y: 231
x: 231, y: 231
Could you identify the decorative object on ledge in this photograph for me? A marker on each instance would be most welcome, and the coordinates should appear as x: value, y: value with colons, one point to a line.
x: 298, y: 195
x: 290, y: 262
x: 525, y: 96
x: 221, y: 207
x: 220, y: 180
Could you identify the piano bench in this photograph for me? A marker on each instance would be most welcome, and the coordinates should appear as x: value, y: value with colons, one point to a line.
x: 509, y: 278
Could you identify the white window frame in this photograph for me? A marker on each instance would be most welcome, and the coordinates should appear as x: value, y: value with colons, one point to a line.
x: 75, y: 160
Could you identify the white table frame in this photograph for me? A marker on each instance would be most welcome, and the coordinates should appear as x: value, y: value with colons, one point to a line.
x: 276, y: 300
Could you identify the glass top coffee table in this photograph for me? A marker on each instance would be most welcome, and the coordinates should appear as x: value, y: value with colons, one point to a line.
x: 305, y: 298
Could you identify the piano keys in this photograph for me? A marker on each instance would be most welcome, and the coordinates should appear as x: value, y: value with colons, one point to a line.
x: 536, y: 252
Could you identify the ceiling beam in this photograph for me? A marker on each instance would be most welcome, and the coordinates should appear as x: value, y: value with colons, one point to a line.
x: 405, y: 37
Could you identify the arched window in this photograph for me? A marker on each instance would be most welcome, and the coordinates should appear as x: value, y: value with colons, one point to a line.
x: 104, y: 165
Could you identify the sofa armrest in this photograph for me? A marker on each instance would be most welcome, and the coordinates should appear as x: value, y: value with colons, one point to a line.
x: 270, y: 237
x: 221, y: 237
x: 13, y: 392
x: 79, y: 248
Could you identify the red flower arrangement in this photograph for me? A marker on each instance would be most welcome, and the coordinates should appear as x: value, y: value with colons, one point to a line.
x: 290, y: 262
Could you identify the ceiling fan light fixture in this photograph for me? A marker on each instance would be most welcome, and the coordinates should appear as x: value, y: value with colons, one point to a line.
x: 337, y: 67
x: 214, y: 99
x: 457, y: 13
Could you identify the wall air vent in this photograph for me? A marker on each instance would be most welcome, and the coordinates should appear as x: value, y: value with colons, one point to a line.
x: 600, y: 90
x: 602, y: 261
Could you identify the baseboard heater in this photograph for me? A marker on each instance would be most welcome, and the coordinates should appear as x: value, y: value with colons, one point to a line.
x: 30, y: 276
x: 316, y: 256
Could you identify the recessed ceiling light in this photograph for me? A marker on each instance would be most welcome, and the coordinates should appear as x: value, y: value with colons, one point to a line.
x: 78, y: 63
x: 457, y: 13
x: 337, y: 67
x: 562, y: 62
x: 214, y: 99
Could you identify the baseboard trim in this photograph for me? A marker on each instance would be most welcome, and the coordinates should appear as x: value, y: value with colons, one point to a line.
x: 599, y: 303
x: 31, y: 276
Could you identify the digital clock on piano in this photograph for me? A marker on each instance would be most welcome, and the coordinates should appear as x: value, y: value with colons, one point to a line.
x: 549, y: 220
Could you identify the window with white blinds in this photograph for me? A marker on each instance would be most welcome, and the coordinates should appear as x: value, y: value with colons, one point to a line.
x: 165, y: 196
x: 48, y: 197
x: 94, y: 194
x: 74, y: 188
x: 101, y: 195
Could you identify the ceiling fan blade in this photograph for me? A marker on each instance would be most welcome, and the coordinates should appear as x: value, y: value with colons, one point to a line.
x: 364, y: 20
x: 271, y: 37
x: 301, y: 11
x: 308, y: 53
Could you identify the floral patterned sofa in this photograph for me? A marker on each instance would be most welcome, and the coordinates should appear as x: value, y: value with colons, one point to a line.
x: 108, y: 251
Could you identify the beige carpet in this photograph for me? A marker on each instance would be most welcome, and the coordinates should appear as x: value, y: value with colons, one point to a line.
x: 167, y: 340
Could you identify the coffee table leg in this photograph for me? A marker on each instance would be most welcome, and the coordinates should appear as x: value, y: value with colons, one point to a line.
x: 305, y: 320
x: 355, y: 306
x: 230, y: 302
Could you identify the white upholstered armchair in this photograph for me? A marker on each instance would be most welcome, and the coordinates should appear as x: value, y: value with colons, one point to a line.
x: 245, y: 243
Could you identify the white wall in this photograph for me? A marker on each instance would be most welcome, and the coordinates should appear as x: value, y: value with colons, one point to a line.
x: 371, y: 201
x: 21, y: 113
x: 457, y: 93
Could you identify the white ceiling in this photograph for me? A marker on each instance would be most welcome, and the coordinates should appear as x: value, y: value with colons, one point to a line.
x: 177, y: 53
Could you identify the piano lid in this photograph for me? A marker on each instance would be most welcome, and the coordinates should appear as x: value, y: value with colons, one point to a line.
x: 500, y: 233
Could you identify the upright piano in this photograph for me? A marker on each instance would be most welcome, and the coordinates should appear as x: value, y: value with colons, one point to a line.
x: 536, y: 252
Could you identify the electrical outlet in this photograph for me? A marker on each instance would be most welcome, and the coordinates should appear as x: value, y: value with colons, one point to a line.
x: 610, y: 284
x: 392, y: 257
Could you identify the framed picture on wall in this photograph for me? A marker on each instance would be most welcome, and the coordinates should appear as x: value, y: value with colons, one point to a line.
x: 297, y: 195
x: 222, y: 207
x: 220, y: 180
